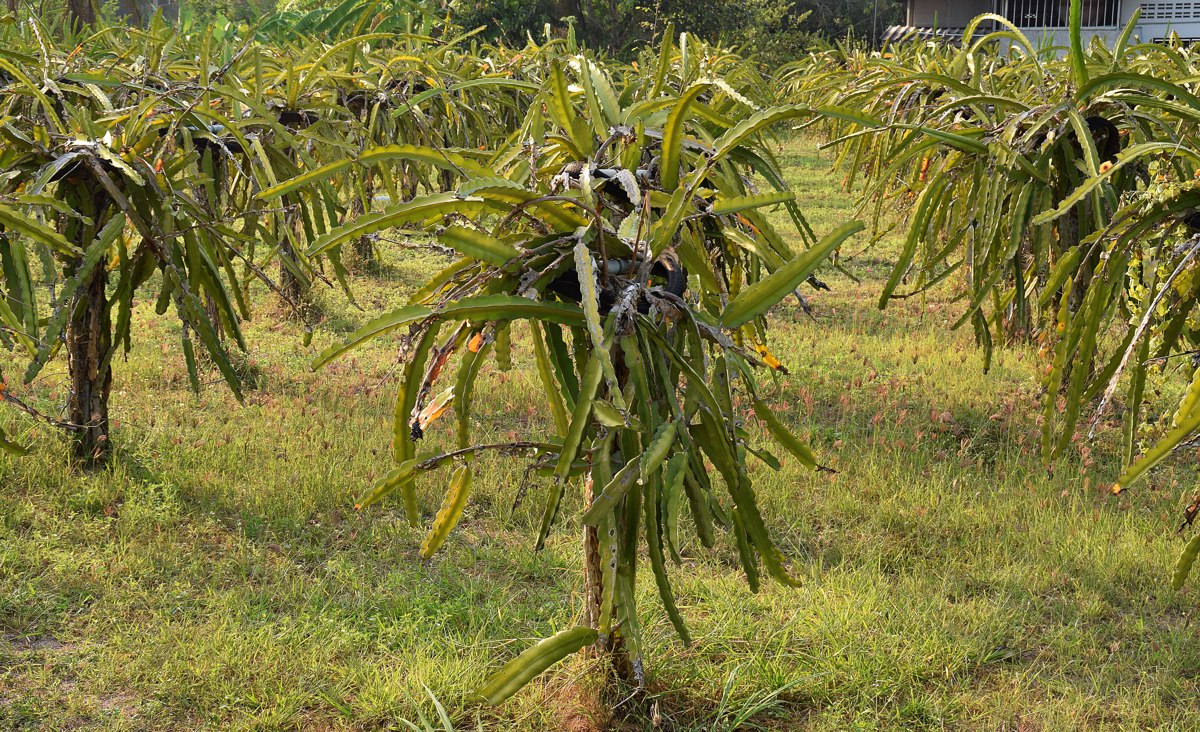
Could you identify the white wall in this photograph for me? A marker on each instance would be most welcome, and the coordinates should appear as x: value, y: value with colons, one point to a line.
x: 946, y: 13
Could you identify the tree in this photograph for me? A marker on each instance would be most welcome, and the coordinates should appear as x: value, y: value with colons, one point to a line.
x: 994, y: 170
x: 107, y: 205
x: 861, y: 19
x: 617, y: 225
x: 1060, y: 194
x: 100, y: 206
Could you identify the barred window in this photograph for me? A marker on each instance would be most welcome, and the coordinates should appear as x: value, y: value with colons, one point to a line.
x: 1055, y: 13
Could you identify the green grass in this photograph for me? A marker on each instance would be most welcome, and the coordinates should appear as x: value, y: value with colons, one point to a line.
x: 216, y: 575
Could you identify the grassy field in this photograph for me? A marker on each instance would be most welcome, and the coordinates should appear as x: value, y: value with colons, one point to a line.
x: 216, y: 575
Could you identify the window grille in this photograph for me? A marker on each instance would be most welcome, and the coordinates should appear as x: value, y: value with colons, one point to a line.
x: 1170, y: 11
x: 1055, y: 13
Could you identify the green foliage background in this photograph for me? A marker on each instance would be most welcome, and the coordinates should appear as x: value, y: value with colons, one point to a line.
x: 773, y: 31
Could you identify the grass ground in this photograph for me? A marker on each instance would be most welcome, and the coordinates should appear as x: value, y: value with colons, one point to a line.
x: 217, y: 577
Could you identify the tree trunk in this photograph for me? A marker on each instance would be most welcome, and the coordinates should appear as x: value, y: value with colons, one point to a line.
x: 567, y: 9
x: 407, y: 185
x: 12, y: 5
x: 132, y: 11
x: 1020, y: 321
x: 89, y: 340
x: 1074, y: 234
x: 289, y: 283
x: 82, y: 14
x: 364, y: 250
x: 592, y: 573
x: 618, y: 664
x: 214, y: 316
x: 214, y: 209
x: 612, y: 648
